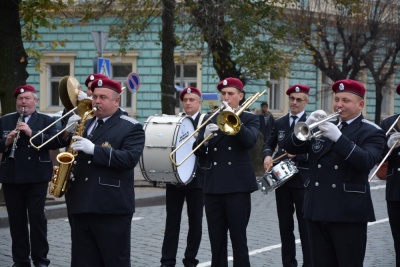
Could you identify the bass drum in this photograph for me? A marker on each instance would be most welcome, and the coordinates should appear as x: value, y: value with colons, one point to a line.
x: 163, y: 134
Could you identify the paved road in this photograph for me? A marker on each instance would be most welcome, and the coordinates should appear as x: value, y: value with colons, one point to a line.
x: 263, y: 236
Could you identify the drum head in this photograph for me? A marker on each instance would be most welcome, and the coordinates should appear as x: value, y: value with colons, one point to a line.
x: 185, y: 170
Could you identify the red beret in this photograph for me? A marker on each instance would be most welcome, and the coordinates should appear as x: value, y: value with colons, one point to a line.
x: 298, y: 88
x: 106, y: 83
x: 24, y: 88
x: 93, y: 77
x: 349, y: 86
x: 398, y: 89
x: 189, y: 90
x: 230, y: 82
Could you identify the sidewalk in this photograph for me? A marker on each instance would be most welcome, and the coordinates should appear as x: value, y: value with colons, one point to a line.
x: 145, y: 194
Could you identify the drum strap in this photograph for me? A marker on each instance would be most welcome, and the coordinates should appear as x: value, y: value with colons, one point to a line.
x: 201, y: 120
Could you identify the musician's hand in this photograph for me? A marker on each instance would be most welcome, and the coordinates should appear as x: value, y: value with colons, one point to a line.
x: 330, y: 131
x: 268, y: 163
x: 210, y: 128
x: 24, y: 127
x: 10, y: 137
x: 82, y: 95
x: 82, y: 144
x: 395, y: 137
x: 73, y: 122
x: 227, y: 107
x: 315, y: 116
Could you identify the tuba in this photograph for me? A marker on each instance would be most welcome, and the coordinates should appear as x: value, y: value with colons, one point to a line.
x: 62, y: 172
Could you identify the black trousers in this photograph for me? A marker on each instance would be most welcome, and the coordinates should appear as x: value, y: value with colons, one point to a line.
x: 228, y: 212
x: 337, y: 244
x: 25, y: 203
x: 393, y: 208
x: 101, y: 240
x: 288, y: 201
x: 175, y: 198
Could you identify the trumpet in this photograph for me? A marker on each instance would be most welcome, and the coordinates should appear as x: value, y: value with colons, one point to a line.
x: 396, y: 122
x: 16, y: 136
x: 304, y: 132
x: 228, y: 122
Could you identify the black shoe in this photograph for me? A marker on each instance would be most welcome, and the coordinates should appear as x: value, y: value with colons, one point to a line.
x: 192, y: 263
x: 40, y: 265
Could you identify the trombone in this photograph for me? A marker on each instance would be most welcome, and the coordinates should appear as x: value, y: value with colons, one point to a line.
x: 83, y: 106
x: 228, y: 122
x: 396, y: 122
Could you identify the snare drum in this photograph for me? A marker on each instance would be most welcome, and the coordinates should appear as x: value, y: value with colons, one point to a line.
x: 279, y: 174
x: 163, y: 134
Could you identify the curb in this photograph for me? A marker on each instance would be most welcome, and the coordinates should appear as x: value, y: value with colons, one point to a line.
x: 58, y: 209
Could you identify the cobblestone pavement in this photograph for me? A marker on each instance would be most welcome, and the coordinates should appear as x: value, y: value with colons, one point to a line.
x: 263, y: 236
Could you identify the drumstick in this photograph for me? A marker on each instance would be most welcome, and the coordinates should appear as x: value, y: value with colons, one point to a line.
x: 275, y: 159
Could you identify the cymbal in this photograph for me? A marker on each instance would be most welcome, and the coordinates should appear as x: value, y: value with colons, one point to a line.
x: 68, y: 90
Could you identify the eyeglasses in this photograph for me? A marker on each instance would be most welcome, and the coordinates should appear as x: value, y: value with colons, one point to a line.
x: 299, y: 100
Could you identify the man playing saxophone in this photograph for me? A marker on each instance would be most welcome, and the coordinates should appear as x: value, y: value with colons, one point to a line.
x: 25, y: 178
x: 100, y: 198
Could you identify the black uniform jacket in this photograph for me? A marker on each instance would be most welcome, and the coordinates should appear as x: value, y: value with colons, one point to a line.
x: 30, y: 165
x: 338, y: 188
x: 393, y: 173
x: 103, y: 183
x: 279, y: 135
x: 229, y: 168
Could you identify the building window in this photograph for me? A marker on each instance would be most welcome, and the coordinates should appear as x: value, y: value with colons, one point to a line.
x: 54, y: 66
x: 55, y: 73
x: 387, y: 98
x: 326, y: 94
x: 185, y: 76
x: 276, y: 95
x: 120, y: 74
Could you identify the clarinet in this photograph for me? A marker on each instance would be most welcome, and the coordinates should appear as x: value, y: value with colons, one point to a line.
x: 16, y: 136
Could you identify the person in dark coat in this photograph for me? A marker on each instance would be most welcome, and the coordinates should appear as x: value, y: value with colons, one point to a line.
x: 266, y: 121
x: 290, y: 196
x: 25, y: 177
x: 337, y: 201
x: 393, y: 178
x: 101, y: 197
x: 229, y: 179
x: 192, y: 193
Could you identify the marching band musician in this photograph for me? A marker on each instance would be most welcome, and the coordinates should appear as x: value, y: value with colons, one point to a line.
x: 176, y: 194
x: 337, y: 201
x: 290, y: 195
x: 229, y: 179
x: 393, y: 179
x: 89, y: 80
x: 25, y: 178
x: 101, y: 197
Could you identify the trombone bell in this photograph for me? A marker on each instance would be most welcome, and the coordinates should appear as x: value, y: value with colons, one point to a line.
x: 228, y: 122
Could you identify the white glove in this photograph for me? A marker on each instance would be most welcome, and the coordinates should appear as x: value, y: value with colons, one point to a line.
x: 330, y: 131
x: 82, y: 95
x: 210, y: 128
x: 227, y: 107
x: 73, y: 122
x: 315, y: 116
x: 82, y: 144
x: 392, y: 140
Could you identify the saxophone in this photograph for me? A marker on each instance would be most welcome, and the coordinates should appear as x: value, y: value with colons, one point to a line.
x: 62, y: 172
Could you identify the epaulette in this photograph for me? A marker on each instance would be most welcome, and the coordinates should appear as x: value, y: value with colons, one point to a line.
x: 371, y: 123
x: 130, y: 119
